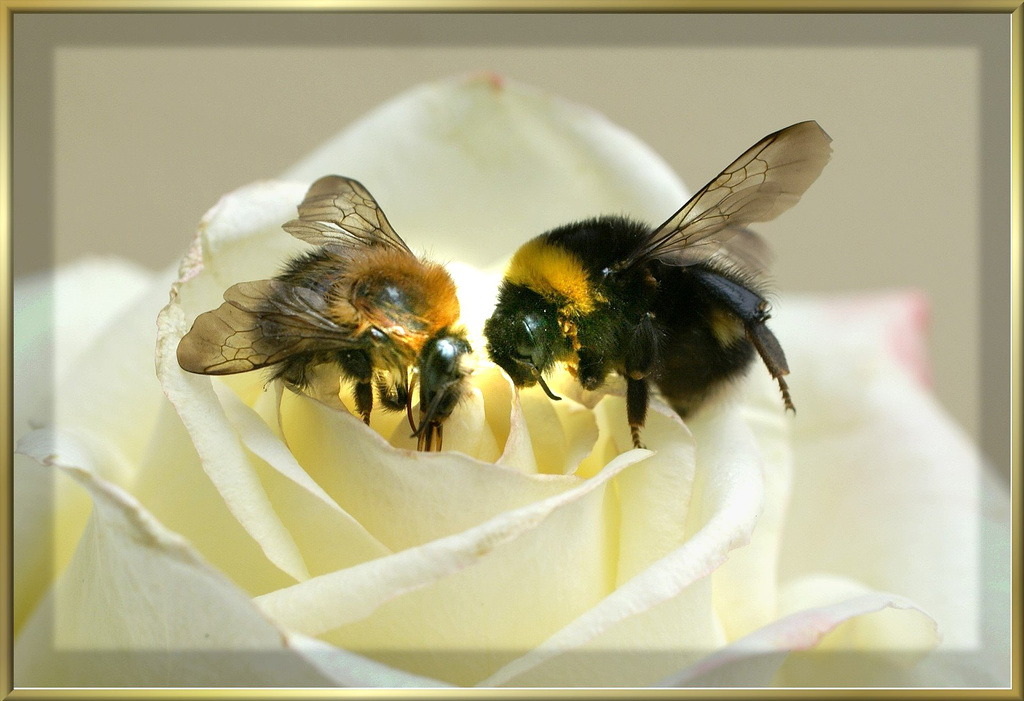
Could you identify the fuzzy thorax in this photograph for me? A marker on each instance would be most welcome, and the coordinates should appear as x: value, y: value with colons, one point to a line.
x: 555, y: 274
x: 402, y: 296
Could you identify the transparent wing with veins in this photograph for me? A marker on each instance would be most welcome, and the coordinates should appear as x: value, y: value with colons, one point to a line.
x: 761, y: 184
x: 340, y: 213
x: 259, y: 324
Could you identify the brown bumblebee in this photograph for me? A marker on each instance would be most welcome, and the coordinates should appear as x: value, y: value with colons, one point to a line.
x: 681, y: 305
x: 361, y: 302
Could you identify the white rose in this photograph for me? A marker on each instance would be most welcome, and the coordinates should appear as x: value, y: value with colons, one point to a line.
x: 242, y: 535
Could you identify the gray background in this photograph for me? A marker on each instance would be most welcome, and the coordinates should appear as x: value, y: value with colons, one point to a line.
x: 128, y: 127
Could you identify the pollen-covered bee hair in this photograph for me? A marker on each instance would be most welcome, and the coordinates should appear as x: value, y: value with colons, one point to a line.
x: 681, y: 305
x: 360, y: 302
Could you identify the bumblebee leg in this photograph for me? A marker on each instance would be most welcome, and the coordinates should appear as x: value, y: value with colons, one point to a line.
x: 753, y: 310
x: 591, y: 371
x: 642, y: 352
x: 364, y: 399
x: 784, y: 388
x: 774, y: 359
x: 294, y: 372
x: 357, y: 366
x: 408, y: 404
x: 636, y: 408
x: 393, y: 394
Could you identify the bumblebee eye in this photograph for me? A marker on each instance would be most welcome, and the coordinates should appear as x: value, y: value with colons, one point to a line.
x: 448, y: 354
x: 526, y: 343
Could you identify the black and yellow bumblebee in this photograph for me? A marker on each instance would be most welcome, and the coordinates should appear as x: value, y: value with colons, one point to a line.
x: 681, y: 305
x: 360, y: 302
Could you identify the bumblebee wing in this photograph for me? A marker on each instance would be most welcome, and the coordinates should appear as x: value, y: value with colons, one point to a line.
x: 746, y: 250
x: 764, y: 182
x: 339, y: 212
x: 260, y: 323
x: 737, y: 248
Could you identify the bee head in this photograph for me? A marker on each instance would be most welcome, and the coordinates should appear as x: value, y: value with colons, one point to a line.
x: 525, y: 341
x: 442, y: 371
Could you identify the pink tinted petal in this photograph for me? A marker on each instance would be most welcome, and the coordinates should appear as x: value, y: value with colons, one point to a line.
x: 755, y: 659
x: 887, y: 489
x: 902, y: 320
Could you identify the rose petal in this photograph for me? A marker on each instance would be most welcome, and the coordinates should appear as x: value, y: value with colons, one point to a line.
x: 312, y: 517
x: 756, y: 659
x: 815, y: 591
x: 240, y: 239
x: 58, y: 321
x: 350, y: 670
x: 518, y: 454
x: 746, y: 586
x: 459, y: 606
x: 440, y: 159
x: 222, y: 453
x: 58, y: 315
x: 137, y: 606
x: 175, y: 488
x: 477, y: 291
x: 192, y: 627
x: 654, y: 503
x: 50, y: 512
x: 435, y: 494
x: 727, y: 497
x: 878, y: 461
x: 561, y: 433
x: 259, y: 481
x: 330, y: 601
x: 895, y: 323
x: 876, y: 454
x: 109, y: 391
x: 251, y: 467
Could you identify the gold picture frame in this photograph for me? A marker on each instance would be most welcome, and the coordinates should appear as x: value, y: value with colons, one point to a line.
x: 990, y: 430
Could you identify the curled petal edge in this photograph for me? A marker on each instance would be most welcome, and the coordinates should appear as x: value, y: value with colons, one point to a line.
x: 134, y: 527
x: 764, y: 650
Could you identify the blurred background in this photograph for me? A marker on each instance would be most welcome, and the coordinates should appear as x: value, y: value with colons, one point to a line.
x: 128, y: 127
